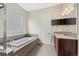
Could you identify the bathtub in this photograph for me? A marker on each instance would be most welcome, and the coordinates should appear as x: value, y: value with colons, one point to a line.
x: 21, y: 41
x: 16, y: 45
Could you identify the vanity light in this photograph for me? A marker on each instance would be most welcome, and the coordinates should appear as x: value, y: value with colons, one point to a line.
x: 66, y: 9
x: 69, y: 11
x: 63, y: 14
x: 72, y: 8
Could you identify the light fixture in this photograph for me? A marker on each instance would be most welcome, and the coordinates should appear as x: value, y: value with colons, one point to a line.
x: 66, y: 9
x: 69, y: 11
x: 63, y: 13
x: 72, y: 8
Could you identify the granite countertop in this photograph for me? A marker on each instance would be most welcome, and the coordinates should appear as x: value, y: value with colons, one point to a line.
x: 65, y: 36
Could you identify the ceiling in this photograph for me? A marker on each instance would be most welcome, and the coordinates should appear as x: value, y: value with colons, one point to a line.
x: 35, y: 6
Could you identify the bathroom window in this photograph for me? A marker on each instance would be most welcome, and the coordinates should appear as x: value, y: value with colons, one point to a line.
x: 15, y: 23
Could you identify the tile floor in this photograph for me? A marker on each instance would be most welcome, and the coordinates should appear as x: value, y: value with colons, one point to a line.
x: 43, y: 50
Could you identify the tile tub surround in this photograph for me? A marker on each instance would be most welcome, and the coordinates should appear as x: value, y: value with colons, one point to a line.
x: 24, y: 49
x: 11, y: 38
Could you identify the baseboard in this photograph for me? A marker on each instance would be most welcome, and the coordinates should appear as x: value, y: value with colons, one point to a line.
x: 47, y: 43
x: 51, y: 44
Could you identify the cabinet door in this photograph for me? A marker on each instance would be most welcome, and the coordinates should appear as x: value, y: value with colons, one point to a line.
x: 67, y: 47
x: 69, y: 21
x: 56, y: 22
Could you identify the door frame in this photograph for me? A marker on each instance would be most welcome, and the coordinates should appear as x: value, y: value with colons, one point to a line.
x: 50, y: 30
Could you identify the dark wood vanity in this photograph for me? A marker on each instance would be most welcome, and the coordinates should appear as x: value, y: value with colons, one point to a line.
x: 65, y: 45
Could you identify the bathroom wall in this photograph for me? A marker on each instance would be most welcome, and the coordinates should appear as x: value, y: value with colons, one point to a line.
x: 17, y: 20
x: 69, y: 28
x: 34, y: 18
x: 55, y: 12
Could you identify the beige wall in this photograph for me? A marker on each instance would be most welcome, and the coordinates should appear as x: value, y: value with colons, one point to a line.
x: 55, y: 12
x: 33, y: 22
x: 71, y: 28
x: 34, y: 18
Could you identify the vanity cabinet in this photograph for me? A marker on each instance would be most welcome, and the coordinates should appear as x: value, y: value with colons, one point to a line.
x: 65, y: 47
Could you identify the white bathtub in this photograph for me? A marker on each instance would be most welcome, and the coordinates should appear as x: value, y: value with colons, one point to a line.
x: 20, y: 43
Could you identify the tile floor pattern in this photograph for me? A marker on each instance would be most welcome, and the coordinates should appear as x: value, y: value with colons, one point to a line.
x: 43, y: 50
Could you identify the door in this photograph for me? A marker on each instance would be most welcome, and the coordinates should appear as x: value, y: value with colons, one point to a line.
x: 45, y: 28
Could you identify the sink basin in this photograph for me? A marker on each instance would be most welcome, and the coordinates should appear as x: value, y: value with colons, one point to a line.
x: 70, y: 34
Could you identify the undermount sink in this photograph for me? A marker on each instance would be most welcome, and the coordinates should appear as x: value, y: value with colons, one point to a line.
x: 70, y: 34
